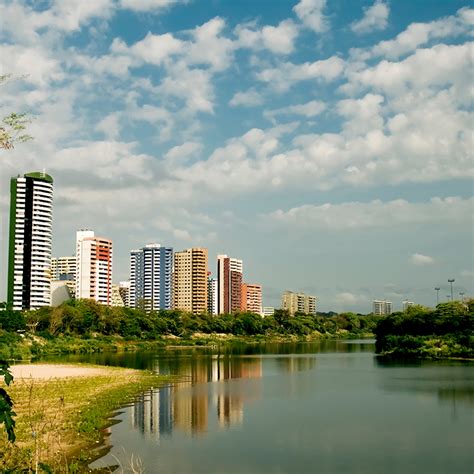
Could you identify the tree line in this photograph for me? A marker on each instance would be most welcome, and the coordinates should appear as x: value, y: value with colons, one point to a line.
x: 87, y: 318
x: 445, y: 331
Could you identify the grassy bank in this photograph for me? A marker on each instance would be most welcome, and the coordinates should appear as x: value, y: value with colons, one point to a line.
x: 58, y: 420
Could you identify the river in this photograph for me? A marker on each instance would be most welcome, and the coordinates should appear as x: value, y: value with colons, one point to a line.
x: 327, y: 407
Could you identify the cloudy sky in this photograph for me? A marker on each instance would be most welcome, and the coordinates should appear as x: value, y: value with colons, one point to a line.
x: 327, y: 143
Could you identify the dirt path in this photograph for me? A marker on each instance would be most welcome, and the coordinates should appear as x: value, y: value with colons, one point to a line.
x: 48, y: 371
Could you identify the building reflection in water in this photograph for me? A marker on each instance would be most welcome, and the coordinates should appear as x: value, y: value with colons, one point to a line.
x: 185, y: 406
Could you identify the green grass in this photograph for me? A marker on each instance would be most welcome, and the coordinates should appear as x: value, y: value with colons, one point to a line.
x: 59, y: 420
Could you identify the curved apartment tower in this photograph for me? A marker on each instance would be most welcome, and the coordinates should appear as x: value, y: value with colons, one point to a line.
x: 31, y: 225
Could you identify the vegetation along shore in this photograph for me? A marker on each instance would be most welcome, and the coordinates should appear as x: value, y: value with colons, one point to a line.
x: 61, y: 411
x: 86, y: 326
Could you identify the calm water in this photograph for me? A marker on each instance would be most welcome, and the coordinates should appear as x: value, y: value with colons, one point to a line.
x: 329, y: 407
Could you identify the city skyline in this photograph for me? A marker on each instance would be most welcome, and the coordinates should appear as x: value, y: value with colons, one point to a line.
x: 326, y: 144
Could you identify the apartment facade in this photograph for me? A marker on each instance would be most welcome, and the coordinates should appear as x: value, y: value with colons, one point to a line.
x: 229, y: 284
x: 252, y: 298
x: 29, y: 258
x: 382, y: 307
x: 63, y: 268
x: 212, y: 295
x: 298, y: 303
x: 151, y: 277
x: 190, y: 280
x: 93, y: 267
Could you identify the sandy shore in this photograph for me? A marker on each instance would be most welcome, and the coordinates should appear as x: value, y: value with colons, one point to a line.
x: 48, y: 371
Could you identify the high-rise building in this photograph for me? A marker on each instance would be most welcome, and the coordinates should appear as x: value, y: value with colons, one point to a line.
x: 29, y: 259
x: 93, y: 267
x: 190, y: 280
x: 252, y: 298
x: 298, y: 303
x: 229, y: 284
x: 382, y: 307
x: 211, y: 295
x: 151, y: 277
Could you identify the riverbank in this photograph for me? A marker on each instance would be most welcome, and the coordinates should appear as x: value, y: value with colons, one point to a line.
x: 26, y: 347
x: 62, y: 410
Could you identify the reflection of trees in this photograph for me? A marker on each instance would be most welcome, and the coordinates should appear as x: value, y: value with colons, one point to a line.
x: 450, y: 381
x: 464, y: 396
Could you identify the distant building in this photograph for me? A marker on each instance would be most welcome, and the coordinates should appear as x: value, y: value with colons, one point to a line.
x: 124, y: 289
x: 382, y: 307
x: 116, y: 298
x: 63, y: 268
x: 31, y: 220
x: 298, y: 303
x: 151, y: 277
x: 229, y: 284
x: 93, y: 267
x: 60, y: 292
x: 212, y: 295
x: 406, y: 304
x: 268, y: 311
x: 252, y: 298
x: 190, y: 280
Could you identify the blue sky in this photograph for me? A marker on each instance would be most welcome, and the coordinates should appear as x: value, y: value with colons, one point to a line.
x: 326, y: 143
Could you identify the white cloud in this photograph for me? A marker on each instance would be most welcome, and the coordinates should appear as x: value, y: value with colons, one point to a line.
x: 287, y: 74
x: 440, y: 65
x: 110, y: 126
x: 277, y: 39
x: 153, y: 49
x: 308, y: 109
x: 347, y: 298
x: 374, y: 214
x: 209, y: 47
x: 35, y: 64
x: 147, y: 5
x: 375, y: 18
x: 250, y: 98
x: 108, y: 160
x: 420, y: 259
x: 310, y: 12
x: 419, y: 34
x: 180, y: 154
x: 362, y: 115
x: 194, y: 86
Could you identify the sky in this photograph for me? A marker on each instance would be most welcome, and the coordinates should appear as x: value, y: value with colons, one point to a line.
x: 327, y: 143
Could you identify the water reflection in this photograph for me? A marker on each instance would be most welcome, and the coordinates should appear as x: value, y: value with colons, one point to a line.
x: 185, y: 406
x: 452, y: 382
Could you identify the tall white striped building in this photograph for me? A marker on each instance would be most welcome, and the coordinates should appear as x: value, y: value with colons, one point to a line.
x: 31, y: 225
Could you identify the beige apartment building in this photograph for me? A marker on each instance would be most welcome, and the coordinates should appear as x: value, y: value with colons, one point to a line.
x: 190, y: 280
x: 298, y: 303
x: 252, y: 298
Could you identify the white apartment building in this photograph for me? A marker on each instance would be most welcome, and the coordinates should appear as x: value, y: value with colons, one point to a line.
x: 382, y: 307
x: 31, y: 221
